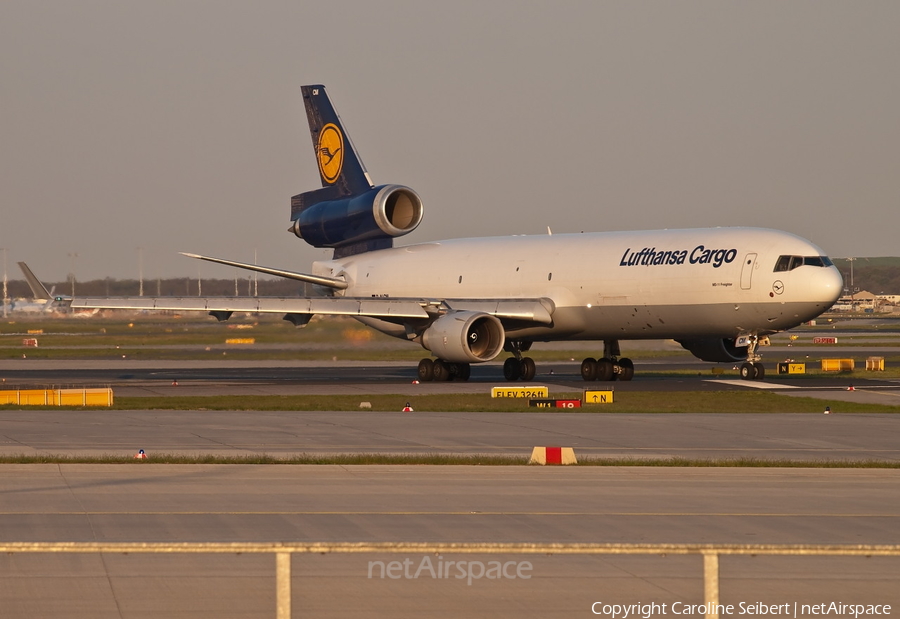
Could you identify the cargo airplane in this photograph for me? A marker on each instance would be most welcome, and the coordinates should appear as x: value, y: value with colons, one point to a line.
x: 719, y: 292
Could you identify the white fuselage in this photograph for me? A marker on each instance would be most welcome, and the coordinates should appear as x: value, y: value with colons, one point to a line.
x: 611, y: 285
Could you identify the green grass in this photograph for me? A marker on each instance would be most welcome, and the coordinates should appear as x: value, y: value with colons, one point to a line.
x: 625, y: 402
x: 237, y: 353
x: 187, y: 337
x: 202, y: 338
x: 409, y: 353
x: 433, y: 459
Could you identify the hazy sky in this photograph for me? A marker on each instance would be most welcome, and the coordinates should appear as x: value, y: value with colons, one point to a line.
x: 178, y: 126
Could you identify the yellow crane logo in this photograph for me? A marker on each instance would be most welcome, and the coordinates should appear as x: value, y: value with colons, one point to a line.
x: 330, y: 152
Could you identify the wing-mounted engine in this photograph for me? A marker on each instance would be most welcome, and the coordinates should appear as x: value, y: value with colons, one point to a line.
x: 715, y: 350
x: 386, y: 211
x: 465, y: 337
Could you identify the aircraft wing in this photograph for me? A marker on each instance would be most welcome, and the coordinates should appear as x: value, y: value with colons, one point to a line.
x: 287, y: 305
x: 528, y: 310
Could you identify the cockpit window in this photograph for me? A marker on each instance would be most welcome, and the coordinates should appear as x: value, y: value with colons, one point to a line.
x: 789, y: 263
x: 783, y: 264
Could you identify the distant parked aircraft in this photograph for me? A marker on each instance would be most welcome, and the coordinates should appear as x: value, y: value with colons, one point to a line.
x: 43, y: 300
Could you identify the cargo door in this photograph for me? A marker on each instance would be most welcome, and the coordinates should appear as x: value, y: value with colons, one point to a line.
x: 747, y: 271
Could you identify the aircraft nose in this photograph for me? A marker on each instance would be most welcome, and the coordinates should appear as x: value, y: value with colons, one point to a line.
x: 828, y: 285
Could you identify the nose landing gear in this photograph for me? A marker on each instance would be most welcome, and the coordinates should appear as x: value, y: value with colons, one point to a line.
x: 753, y: 369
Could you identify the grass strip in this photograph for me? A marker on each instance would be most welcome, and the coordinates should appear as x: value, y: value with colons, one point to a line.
x: 432, y: 459
x: 339, y: 459
x: 624, y: 402
x: 248, y: 352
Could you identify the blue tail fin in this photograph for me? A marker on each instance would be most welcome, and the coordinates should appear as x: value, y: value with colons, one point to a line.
x: 341, y: 170
x: 348, y: 213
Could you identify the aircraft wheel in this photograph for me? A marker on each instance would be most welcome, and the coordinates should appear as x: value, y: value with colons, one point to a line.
x: 589, y: 369
x: 441, y: 371
x: 626, y: 369
x: 760, y: 371
x: 426, y: 370
x: 605, y: 369
x: 462, y: 371
x: 748, y: 371
x: 528, y: 368
x: 512, y: 369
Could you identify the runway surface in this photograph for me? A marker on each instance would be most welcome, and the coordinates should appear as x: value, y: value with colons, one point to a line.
x: 144, y: 501
x: 149, y: 502
x: 157, y: 378
x: 807, y: 437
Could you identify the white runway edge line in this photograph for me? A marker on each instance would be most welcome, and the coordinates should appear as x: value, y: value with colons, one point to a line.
x: 752, y: 383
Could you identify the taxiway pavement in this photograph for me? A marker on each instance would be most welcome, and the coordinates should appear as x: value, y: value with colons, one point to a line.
x: 767, y: 436
x: 160, y: 378
x: 144, y: 501
x: 147, y: 502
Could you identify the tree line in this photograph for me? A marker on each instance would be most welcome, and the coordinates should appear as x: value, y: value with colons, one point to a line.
x: 168, y: 287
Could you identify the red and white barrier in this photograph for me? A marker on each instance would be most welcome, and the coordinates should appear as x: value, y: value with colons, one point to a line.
x: 553, y: 455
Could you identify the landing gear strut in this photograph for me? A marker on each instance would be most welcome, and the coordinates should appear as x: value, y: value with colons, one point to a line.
x: 518, y: 367
x: 753, y: 369
x: 610, y: 366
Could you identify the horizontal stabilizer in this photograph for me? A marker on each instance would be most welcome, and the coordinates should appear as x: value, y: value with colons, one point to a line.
x: 320, y: 280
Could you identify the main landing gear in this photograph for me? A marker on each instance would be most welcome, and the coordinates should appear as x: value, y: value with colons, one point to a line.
x: 606, y: 369
x: 753, y: 369
x: 518, y: 367
x: 440, y: 370
x: 610, y: 366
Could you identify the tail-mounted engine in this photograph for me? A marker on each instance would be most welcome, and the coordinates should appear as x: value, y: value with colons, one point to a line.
x: 465, y: 337
x: 384, y: 211
x: 348, y: 212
